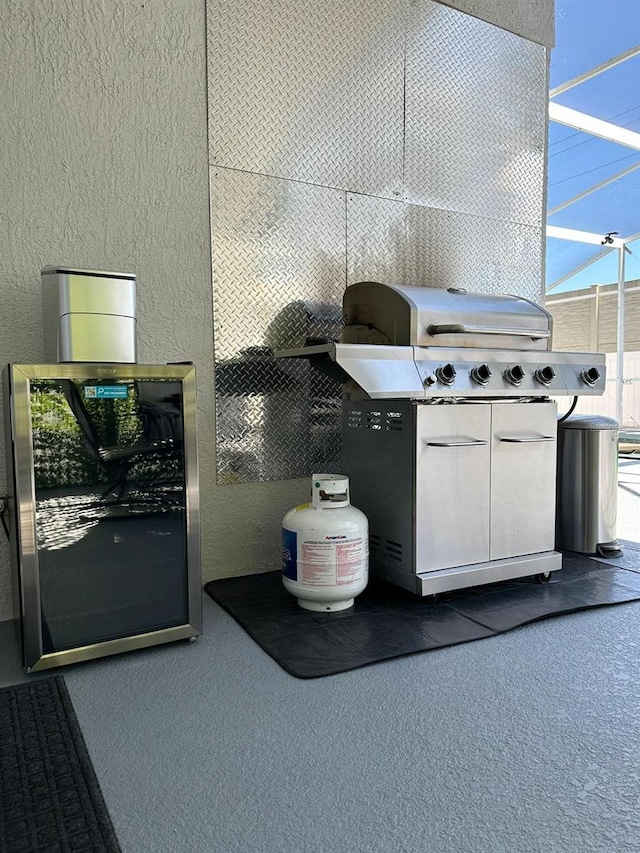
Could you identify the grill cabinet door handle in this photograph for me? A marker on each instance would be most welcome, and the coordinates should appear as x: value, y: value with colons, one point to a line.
x: 455, y: 442
x: 462, y: 329
x: 527, y: 438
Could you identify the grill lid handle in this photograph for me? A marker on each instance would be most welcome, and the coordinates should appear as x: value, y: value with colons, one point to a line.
x: 462, y: 329
x: 461, y: 442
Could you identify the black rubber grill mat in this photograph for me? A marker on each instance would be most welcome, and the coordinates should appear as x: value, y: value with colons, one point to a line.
x: 387, y: 622
x: 50, y: 800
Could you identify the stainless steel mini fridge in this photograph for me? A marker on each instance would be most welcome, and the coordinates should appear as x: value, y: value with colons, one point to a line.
x: 104, y: 507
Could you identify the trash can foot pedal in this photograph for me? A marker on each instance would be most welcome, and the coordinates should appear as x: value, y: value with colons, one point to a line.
x: 609, y: 549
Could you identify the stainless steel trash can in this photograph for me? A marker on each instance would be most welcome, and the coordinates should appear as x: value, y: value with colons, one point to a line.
x: 89, y: 315
x: 587, y: 485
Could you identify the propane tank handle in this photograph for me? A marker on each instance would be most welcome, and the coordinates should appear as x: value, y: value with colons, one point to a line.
x: 330, y: 491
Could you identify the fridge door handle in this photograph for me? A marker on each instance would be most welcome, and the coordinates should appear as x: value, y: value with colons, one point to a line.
x: 456, y: 442
x: 525, y: 438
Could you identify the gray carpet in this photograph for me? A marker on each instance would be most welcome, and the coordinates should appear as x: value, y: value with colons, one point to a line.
x: 523, y: 743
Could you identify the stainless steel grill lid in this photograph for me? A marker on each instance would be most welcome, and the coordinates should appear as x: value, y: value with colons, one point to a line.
x: 425, y: 316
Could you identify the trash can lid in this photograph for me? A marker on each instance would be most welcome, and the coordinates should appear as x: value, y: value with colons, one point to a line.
x: 589, y: 422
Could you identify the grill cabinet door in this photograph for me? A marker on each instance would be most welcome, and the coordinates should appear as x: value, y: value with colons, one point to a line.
x: 453, y: 446
x: 523, y: 478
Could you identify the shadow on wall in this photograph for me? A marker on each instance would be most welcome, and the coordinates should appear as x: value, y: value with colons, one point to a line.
x: 278, y: 418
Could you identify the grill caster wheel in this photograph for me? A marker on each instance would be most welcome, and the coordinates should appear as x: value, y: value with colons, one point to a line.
x: 543, y: 577
x: 434, y: 598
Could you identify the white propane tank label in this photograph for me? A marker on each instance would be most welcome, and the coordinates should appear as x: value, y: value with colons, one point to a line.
x: 336, y: 561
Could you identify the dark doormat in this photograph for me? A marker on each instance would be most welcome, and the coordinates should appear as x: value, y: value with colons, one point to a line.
x: 50, y: 800
x: 387, y: 622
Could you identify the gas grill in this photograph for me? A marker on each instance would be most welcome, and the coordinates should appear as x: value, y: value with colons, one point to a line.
x: 449, y: 435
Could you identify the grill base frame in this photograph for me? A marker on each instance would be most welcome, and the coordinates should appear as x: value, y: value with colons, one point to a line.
x: 461, y: 577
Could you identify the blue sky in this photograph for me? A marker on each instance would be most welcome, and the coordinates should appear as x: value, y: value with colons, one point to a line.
x: 589, y: 33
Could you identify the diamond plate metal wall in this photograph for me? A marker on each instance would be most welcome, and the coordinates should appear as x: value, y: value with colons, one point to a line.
x: 434, y: 123
x: 377, y: 240
x: 279, y: 271
x: 408, y: 244
x: 309, y: 91
x: 475, y: 116
x: 402, y: 243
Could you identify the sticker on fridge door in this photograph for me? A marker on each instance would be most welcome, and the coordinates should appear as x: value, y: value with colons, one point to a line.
x: 106, y: 392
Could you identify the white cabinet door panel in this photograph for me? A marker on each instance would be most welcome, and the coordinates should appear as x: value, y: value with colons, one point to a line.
x: 453, y: 463
x: 523, y: 476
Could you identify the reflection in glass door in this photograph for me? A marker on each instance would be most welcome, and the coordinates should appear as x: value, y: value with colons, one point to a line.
x: 110, y: 507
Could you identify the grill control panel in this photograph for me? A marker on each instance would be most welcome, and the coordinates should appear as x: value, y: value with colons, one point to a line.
x: 422, y: 373
x: 474, y: 373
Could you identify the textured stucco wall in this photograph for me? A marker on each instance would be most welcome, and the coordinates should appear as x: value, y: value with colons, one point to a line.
x: 104, y: 165
x: 533, y: 19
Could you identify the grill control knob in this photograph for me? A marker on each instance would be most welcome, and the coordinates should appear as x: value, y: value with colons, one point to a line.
x: 514, y: 375
x: 590, y: 376
x: 545, y: 375
x: 481, y: 375
x: 430, y: 380
x: 446, y: 375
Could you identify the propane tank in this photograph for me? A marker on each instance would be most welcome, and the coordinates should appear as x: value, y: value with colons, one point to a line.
x: 325, y: 547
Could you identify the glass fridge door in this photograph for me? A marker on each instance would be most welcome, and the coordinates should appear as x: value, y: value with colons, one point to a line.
x: 110, y: 509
